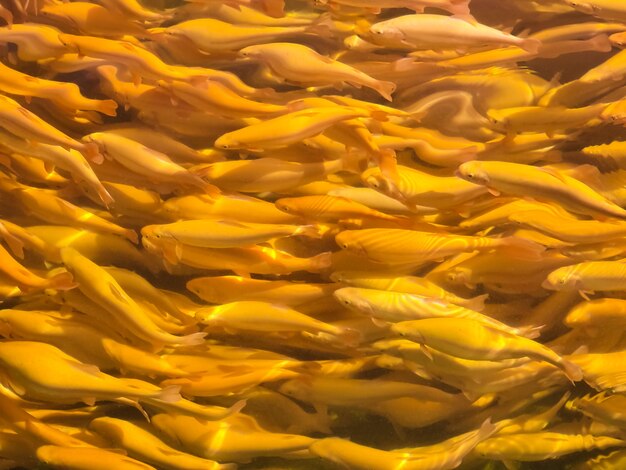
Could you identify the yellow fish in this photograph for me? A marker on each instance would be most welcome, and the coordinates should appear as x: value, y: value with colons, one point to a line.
x: 151, y: 164
x: 287, y: 129
x: 71, y: 381
x: 301, y: 64
x: 92, y: 458
x: 588, y: 276
x: 92, y: 19
x: 470, y: 339
x: 407, y: 284
x: 104, y: 290
x: 34, y: 41
x: 215, y: 233
x: 143, y: 444
x: 397, y: 246
x: 55, y: 210
x: 63, y: 94
x: 27, y: 125
x: 243, y: 261
x: 326, y: 207
x: 533, y: 447
x: 596, y: 313
x: 270, y: 174
x: 212, y: 35
x: 29, y: 280
x: 215, y: 98
x: 417, y: 187
x: 223, y: 289
x: 237, y: 206
x: 400, y: 306
x: 234, y: 439
x: 424, y: 31
x: 264, y: 316
x: 542, y: 183
x: 447, y: 454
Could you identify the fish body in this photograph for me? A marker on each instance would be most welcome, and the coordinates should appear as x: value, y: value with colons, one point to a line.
x: 105, y: 290
x: 325, y: 207
x: 424, y: 31
x: 223, y: 289
x: 588, y: 276
x: 212, y: 233
x: 298, y: 63
x: 399, y: 246
x: 469, y: 339
x: 92, y: 458
x: 544, y: 184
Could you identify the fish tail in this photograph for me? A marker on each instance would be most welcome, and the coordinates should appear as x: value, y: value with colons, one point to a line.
x: 353, y: 162
x: 388, y: 164
x: 62, y: 281
x: 461, y: 9
x: 385, y: 89
x: 311, y: 231
x: 131, y: 235
x: 531, y: 45
x: 193, y: 339
x: 107, y: 107
x: 92, y: 152
x: 170, y: 394
x: 601, y: 43
x: 320, y: 262
x: 323, y: 25
x: 274, y: 8
x: 573, y: 372
x: 104, y: 196
x: 524, y: 248
x: 476, y: 303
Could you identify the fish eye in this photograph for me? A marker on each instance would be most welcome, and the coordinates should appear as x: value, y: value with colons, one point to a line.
x: 562, y: 281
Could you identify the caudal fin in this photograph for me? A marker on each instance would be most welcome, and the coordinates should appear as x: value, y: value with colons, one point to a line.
x: 62, y: 281
x: 476, y: 303
x: 107, y: 107
x: 531, y: 45
x: 573, y: 372
x: 194, y: 339
x: 170, y: 394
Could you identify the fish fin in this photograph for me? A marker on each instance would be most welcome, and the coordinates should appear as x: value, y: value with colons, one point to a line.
x: 323, y: 26
x: 117, y: 293
x: 320, y: 262
x: 132, y: 236
x: 573, y: 372
x: 63, y: 281
x: 585, y: 294
x: 92, y: 152
x: 477, y: 303
x: 379, y: 323
x: 427, y: 352
x: 530, y: 332
x: 403, y: 65
x: 385, y: 89
x: 493, y: 191
x: 531, y: 45
x: 511, y: 464
x: 274, y: 8
x: 194, y: 339
x: 170, y: 394
x: 89, y: 401
x: 15, y: 244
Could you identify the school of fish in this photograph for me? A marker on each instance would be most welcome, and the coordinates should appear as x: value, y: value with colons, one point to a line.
x: 312, y: 234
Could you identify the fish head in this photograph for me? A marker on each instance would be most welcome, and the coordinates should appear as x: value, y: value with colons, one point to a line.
x: 347, y: 297
x: 458, y: 275
x: 251, y: 52
x: 585, y: 7
x: 386, y: 31
x: 287, y: 205
x: 346, y: 242
x: 472, y: 172
x: 226, y: 143
x: 291, y: 388
x: 69, y: 41
x: 561, y: 279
